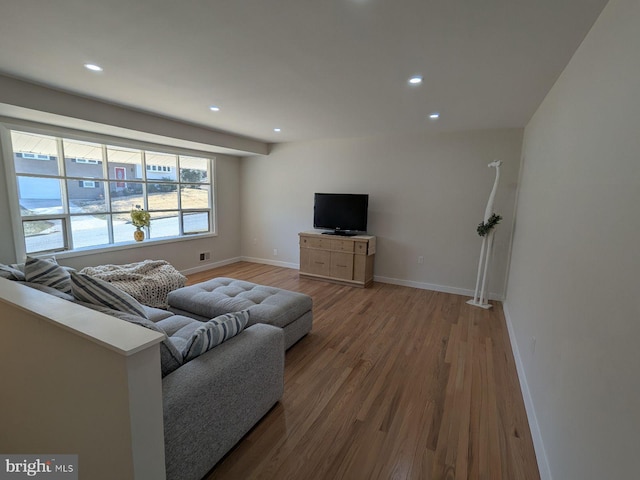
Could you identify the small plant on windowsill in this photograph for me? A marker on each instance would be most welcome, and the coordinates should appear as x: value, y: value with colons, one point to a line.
x: 140, y: 218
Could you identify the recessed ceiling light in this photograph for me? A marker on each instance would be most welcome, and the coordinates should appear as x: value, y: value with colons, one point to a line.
x: 434, y: 116
x: 415, y: 80
x: 277, y: 130
x: 214, y: 108
x: 93, y: 67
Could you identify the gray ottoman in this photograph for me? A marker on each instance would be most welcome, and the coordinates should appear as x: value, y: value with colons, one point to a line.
x: 290, y: 311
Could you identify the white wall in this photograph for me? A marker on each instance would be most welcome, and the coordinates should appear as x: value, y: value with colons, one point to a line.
x: 573, y: 281
x: 7, y: 250
x: 427, y: 194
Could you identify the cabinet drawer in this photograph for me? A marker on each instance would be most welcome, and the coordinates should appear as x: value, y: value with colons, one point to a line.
x: 342, y: 265
x: 319, y: 262
x: 361, y: 248
x: 311, y: 242
x: 342, y: 245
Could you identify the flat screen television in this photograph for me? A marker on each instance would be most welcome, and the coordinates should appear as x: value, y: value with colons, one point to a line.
x: 342, y: 213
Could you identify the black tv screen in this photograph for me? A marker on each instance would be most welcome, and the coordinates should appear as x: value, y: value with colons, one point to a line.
x: 343, y: 213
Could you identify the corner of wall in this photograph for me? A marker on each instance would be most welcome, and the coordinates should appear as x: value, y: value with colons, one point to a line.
x: 541, y: 455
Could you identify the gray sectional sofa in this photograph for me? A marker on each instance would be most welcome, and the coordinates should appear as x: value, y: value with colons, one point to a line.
x: 210, y: 402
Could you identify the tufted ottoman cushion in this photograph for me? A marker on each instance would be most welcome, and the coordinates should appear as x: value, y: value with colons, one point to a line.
x: 274, y: 306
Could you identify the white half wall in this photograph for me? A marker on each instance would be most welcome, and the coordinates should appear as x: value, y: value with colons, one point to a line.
x: 573, y: 285
x: 79, y: 382
x: 427, y: 194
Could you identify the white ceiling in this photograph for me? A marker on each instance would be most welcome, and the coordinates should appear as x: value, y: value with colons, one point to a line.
x: 316, y: 69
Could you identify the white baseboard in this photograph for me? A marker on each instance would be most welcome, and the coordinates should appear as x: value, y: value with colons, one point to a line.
x: 270, y: 262
x: 392, y: 281
x: 538, y: 445
x: 209, y: 266
x: 434, y: 287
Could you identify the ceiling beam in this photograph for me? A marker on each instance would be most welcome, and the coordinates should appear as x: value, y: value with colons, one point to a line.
x: 37, y: 103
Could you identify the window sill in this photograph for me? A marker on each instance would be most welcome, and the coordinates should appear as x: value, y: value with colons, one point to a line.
x: 122, y: 246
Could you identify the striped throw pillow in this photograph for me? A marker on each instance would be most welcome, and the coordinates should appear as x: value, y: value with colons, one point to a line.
x: 48, y: 273
x: 98, y: 292
x: 214, y: 332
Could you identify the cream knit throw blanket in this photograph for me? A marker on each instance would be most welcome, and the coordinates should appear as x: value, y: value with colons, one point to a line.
x: 149, y: 281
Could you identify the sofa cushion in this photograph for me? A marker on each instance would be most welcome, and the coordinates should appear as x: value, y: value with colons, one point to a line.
x: 156, y: 314
x: 271, y: 305
x: 172, y: 325
x: 48, y: 273
x: 49, y: 290
x: 207, y: 335
x: 170, y: 356
x: 98, y: 292
x: 11, y: 273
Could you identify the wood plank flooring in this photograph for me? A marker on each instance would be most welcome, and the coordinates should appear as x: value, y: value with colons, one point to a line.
x: 392, y: 383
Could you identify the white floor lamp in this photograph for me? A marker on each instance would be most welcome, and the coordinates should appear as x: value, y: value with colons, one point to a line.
x: 480, y: 296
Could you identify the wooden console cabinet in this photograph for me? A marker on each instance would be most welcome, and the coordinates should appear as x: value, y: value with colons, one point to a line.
x: 347, y: 260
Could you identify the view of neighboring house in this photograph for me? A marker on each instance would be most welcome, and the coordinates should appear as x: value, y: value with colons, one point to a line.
x: 126, y: 177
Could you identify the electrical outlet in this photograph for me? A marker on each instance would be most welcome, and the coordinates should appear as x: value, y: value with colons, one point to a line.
x: 275, y: 252
x: 204, y: 256
x: 420, y: 259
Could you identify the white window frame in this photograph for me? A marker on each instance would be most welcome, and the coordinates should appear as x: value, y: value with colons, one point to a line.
x: 7, y: 156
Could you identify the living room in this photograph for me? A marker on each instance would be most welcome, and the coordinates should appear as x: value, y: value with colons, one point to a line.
x: 567, y: 197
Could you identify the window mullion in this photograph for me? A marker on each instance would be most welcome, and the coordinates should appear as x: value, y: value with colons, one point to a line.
x: 64, y: 197
x: 145, y: 190
x: 180, y: 212
x: 107, y: 193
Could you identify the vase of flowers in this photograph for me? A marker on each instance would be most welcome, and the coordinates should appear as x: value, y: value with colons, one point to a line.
x: 140, y: 218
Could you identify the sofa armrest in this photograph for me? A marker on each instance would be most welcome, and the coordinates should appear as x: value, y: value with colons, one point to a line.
x: 211, y: 402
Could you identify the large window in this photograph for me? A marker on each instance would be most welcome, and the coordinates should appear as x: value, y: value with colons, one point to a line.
x: 77, y: 194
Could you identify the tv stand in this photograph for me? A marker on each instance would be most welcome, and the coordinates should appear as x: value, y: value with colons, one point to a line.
x: 347, y: 260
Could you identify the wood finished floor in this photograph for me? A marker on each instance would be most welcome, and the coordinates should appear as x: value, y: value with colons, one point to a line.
x: 392, y: 383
